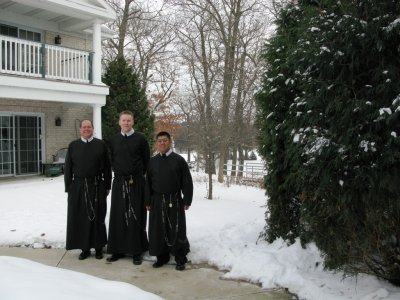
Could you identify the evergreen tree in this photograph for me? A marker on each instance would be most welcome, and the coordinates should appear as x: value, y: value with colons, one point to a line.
x: 341, y: 144
x: 125, y: 94
x: 273, y: 102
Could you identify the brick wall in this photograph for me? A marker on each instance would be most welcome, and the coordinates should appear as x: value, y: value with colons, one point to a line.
x: 56, y: 137
x: 69, y: 41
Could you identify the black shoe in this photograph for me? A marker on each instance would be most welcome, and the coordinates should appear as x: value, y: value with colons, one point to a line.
x: 137, y: 260
x: 99, y: 254
x: 180, y: 267
x: 160, y: 262
x: 84, y: 254
x: 115, y: 257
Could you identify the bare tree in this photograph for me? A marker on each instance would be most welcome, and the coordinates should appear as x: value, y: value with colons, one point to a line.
x: 226, y: 17
x: 199, y: 53
x: 145, y: 40
x: 248, y: 68
x: 204, y: 57
x: 125, y: 13
x: 152, y: 53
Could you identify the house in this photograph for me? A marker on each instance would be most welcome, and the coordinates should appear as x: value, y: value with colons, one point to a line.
x: 50, y: 77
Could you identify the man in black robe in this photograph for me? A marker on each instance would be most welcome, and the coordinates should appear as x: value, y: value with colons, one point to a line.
x: 130, y: 154
x: 87, y: 177
x: 169, y: 192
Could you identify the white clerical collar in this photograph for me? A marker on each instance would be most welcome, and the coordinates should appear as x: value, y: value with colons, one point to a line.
x: 167, y: 153
x: 132, y: 131
x: 87, y: 140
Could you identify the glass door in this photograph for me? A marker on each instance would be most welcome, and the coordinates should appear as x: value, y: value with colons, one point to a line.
x: 6, y: 145
x: 20, y: 144
x: 27, y: 144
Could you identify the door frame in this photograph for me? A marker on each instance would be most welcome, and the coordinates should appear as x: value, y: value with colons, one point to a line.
x: 41, y: 140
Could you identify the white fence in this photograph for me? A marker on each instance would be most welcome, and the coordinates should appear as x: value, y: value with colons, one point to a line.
x: 250, y: 171
x: 32, y: 59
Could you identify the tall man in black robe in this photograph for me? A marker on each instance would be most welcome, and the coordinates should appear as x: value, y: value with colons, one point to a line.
x: 130, y: 154
x: 87, y: 177
x: 169, y: 192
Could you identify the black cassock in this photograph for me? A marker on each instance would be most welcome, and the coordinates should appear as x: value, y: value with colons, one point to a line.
x: 87, y: 177
x: 127, y: 228
x: 169, y: 188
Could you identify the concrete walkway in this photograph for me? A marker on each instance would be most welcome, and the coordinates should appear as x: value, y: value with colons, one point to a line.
x: 196, y: 282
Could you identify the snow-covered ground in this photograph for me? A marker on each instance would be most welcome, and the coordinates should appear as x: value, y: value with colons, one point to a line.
x: 25, y: 279
x: 222, y: 232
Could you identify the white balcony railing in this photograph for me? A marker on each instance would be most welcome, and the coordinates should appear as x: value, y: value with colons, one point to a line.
x: 32, y: 59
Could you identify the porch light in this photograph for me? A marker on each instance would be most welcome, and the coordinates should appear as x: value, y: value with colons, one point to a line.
x: 57, y: 40
x: 58, y: 121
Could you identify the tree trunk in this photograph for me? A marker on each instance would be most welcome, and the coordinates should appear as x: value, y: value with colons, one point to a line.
x: 209, y: 170
x: 122, y: 29
x: 230, y: 39
x: 210, y: 187
x: 234, y: 162
x: 241, y: 162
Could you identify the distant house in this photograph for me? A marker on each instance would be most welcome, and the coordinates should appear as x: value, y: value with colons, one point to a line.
x: 50, y: 77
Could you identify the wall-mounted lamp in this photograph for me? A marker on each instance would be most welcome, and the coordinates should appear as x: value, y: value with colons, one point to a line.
x: 57, y: 40
x: 58, y: 121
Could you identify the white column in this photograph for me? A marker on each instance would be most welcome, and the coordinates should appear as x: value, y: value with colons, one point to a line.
x: 96, y: 64
x: 97, y: 120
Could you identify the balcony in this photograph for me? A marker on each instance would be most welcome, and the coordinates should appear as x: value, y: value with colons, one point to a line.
x: 33, y: 59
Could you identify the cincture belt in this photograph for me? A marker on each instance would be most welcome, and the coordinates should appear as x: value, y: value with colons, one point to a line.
x: 127, y: 182
x: 165, y: 217
x: 91, y: 207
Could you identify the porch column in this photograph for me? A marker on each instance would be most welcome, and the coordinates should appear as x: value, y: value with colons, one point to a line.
x: 96, y: 64
x: 97, y: 120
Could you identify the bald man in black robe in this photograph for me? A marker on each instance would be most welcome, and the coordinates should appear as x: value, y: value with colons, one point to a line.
x: 87, y: 177
x: 169, y: 192
x: 130, y: 154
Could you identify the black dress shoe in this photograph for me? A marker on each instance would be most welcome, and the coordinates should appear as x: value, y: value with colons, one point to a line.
x: 160, y: 262
x: 180, y: 267
x: 137, y: 260
x: 99, y: 254
x: 115, y: 257
x: 84, y: 254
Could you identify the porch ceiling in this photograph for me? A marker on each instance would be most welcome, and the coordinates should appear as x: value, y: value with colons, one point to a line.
x: 72, y: 15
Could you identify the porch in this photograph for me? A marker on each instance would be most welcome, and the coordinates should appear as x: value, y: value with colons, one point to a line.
x: 33, y: 59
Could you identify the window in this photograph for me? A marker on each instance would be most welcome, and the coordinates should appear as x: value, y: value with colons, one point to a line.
x: 17, y: 55
x: 8, y: 30
x: 29, y: 35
